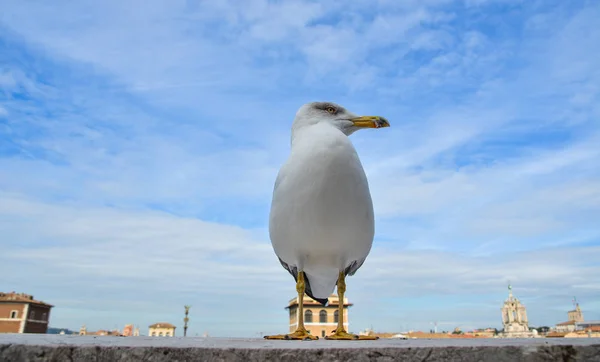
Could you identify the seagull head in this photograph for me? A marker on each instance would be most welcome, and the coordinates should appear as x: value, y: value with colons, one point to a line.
x: 333, y: 114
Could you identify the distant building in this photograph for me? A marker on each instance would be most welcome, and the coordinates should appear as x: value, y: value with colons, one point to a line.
x: 567, y: 326
x: 162, y: 330
x: 576, y: 314
x: 20, y: 313
x: 318, y: 320
x: 591, y: 328
x: 581, y: 329
x: 128, y: 330
x: 485, y: 332
x: 514, y: 318
x: 575, y: 317
x: 101, y: 332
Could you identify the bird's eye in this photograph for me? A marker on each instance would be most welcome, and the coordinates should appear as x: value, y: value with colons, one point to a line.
x: 330, y: 110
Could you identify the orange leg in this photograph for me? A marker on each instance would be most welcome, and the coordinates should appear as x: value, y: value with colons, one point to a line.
x: 301, y: 333
x: 340, y: 333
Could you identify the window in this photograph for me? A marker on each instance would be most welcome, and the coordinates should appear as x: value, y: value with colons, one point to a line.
x: 44, y: 316
x: 308, y: 316
x: 323, y: 316
x: 323, y: 334
x: 32, y: 315
x: 336, y: 316
x: 14, y: 314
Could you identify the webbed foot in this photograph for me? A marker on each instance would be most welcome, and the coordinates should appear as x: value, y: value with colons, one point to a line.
x: 342, y: 335
x: 301, y: 335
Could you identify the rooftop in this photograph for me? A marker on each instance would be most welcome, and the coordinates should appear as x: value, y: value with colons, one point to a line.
x: 162, y: 325
x: 308, y: 301
x: 14, y: 297
x: 588, y: 323
x: 556, y: 334
x: 567, y: 323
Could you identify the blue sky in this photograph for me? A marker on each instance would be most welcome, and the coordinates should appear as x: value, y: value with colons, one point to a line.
x: 139, y: 143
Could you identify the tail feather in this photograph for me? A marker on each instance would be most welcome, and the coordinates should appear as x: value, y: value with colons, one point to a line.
x: 321, y: 289
x: 321, y: 284
x: 308, y: 291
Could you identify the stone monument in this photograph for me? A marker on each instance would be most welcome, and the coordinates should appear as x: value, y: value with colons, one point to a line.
x: 514, y: 318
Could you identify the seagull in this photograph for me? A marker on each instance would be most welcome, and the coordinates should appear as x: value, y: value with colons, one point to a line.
x: 321, y: 222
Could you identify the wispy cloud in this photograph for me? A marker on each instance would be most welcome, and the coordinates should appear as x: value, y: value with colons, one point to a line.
x: 139, y: 144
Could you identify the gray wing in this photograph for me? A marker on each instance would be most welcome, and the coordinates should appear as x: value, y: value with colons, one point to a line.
x: 353, y: 267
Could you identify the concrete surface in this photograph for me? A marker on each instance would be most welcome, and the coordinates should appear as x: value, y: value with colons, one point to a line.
x: 43, y: 347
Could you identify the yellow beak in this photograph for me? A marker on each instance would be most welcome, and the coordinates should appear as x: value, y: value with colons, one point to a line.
x: 370, y: 122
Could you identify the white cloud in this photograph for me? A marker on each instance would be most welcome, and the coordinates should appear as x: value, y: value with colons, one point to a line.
x: 156, y: 262
x: 259, y: 28
x: 134, y: 253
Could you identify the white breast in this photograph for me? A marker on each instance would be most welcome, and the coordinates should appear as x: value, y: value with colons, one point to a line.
x: 322, y: 214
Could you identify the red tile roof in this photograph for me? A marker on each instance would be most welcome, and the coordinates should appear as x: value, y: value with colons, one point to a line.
x: 568, y: 323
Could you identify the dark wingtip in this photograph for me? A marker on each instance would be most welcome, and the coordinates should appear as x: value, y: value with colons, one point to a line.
x: 308, y: 292
x: 323, y: 301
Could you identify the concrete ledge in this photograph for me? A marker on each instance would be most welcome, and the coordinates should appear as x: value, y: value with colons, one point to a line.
x: 23, y: 347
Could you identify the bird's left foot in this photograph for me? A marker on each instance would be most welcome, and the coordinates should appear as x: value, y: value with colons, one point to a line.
x: 297, y: 335
x: 342, y: 335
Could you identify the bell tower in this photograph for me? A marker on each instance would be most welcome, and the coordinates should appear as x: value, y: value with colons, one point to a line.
x: 576, y: 314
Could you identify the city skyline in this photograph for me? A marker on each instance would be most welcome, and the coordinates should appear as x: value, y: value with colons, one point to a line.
x: 139, y: 144
x: 444, y: 326
x: 574, y: 314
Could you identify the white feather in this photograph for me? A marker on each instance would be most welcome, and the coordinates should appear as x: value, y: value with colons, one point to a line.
x: 321, y: 215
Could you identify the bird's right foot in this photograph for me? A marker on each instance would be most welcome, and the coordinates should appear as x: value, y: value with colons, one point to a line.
x: 342, y: 335
x: 301, y: 335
